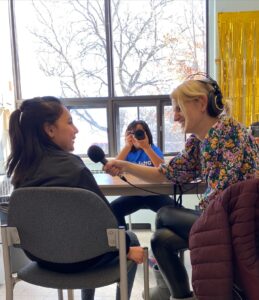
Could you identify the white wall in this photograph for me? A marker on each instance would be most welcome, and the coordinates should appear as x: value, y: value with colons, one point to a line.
x: 236, y: 5
x: 216, y: 6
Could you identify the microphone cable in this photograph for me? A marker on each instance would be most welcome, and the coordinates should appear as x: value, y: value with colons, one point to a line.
x: 96, y: 154
x: 177, y: 190
x: 139, y: 188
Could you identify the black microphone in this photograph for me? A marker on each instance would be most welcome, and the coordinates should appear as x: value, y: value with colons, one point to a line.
x: 97, y: 155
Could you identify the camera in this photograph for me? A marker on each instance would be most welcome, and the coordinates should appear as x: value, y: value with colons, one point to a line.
x: 139, y: 134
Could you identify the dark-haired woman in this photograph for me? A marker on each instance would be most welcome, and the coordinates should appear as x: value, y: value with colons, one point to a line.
x: 42, y: 137
x: 220, y: 151
x: 141, y: 151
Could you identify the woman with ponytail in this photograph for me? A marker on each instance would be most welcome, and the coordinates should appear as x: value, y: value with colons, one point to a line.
x: 42, y: 136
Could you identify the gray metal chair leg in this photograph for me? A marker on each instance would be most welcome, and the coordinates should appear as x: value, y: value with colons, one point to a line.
x: 123, y: 265
x: 8, y: 292
x: 60, y: 294
x: 9, y: 281
x: 70, y: 294
x: 146, y: 274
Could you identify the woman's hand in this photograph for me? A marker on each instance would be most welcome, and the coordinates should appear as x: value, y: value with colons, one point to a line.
x: 127, y: 147
x: 142, y: 144
x: 114, y: 167
x: 129, y: 139
x: 136, y: 254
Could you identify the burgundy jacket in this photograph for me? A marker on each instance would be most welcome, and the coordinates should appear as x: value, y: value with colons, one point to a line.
x: 224, y: 244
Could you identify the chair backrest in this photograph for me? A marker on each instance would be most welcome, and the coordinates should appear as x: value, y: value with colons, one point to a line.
x: 61, y: 225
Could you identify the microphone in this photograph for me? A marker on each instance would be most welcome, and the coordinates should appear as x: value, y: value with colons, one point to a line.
x: 97, y: 155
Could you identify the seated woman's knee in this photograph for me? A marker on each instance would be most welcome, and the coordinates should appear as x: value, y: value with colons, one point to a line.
x: 166, y: 240
x: 160, y: 238
x: 166, y: 216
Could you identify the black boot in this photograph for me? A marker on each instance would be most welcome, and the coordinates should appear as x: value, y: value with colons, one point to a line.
x: 189, y: 298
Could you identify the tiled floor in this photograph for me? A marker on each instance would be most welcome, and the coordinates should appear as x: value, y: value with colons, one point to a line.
x: 25, y: 291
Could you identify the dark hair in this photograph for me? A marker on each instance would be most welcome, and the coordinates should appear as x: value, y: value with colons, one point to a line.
x: 255, y: 129
x: 28, y: 137
x: 132, y: 127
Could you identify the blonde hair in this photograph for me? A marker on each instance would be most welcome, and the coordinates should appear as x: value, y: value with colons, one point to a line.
x: 190, y: 90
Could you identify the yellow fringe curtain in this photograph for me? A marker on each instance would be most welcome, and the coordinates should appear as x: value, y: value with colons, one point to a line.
x: 238, y: 63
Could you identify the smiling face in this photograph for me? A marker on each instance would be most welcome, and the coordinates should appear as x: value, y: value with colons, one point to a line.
x: 190, y: 114
x: 63, y: 131
x: 190, y: 107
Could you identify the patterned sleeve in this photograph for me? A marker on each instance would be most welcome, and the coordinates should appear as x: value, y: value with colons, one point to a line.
x: 185, y: 166
x: 235, y: 157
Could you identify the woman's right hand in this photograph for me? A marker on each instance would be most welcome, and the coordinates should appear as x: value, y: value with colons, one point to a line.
x: 114, y: 167
x: 136, y: 254
x: 128, y: 140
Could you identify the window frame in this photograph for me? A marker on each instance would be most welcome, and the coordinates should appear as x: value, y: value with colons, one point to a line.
x: 112, y: 102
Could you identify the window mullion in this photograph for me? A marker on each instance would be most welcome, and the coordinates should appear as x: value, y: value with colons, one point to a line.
x: 109, y: 49
x: 15, y: 60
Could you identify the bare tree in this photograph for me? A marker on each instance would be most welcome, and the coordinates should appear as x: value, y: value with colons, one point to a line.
x: 73, y: 47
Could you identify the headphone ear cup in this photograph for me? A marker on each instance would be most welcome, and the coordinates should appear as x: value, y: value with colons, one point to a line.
x: 215, y: 104
x: 211, y: 104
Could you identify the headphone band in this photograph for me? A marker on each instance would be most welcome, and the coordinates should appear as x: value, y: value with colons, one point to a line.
x: 214, y: 96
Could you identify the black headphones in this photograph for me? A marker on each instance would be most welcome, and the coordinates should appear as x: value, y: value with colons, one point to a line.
x: 215, y: 103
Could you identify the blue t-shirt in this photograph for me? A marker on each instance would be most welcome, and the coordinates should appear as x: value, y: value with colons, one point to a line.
x: 140, y: 157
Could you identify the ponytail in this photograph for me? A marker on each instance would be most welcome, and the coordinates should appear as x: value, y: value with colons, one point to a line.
x: 16, y: 140
x: 27, y: 136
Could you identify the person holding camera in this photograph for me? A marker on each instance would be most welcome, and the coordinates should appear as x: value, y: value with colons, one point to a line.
x: 139, y: 149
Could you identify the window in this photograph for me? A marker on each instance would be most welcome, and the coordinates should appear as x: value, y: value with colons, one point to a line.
x: 129, y: 113
x: 173, y: 137
x: 110, y: 61
x: 156, y: 43
x: 89, y: 134
x: 6, y: 84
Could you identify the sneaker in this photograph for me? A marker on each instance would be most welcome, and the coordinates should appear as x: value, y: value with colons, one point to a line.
x: 151, y: 262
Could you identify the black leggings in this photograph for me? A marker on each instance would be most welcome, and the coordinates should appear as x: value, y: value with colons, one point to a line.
x: 126, y: 205
x: 172, y: 234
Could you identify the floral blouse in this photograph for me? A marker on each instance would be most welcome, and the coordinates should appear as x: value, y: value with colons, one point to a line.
x: 228, y: 154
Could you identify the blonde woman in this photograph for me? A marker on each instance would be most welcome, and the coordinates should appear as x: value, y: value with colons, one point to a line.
x: 219, y: 150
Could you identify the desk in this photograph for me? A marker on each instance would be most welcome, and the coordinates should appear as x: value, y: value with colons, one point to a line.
x: 112, y: 186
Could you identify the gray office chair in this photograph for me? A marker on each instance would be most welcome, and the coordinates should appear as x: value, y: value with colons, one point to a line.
x: 65, y: 225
